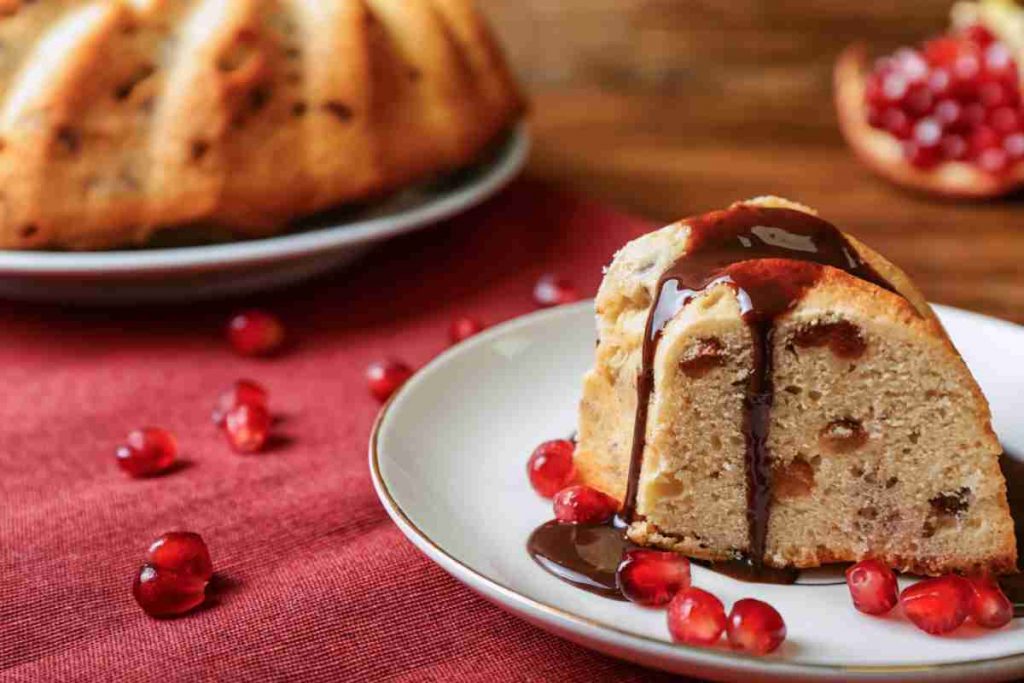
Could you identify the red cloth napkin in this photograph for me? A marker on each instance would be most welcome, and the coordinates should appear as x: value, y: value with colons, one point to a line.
x: 313, y: 580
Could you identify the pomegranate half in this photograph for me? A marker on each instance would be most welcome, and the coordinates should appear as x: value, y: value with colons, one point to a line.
x: 946, y: 117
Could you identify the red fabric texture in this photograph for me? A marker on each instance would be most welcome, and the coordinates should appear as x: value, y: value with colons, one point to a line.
x: 313, y: 580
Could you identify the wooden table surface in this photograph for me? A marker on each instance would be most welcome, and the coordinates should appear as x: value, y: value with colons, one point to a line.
x: 667, y: 108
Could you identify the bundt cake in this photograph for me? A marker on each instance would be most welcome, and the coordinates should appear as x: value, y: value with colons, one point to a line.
x: 122, y: 116
x: 768, y: 388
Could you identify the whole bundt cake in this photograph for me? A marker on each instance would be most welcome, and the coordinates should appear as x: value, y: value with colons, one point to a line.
x: 768, y: 388
x: 122, y: 116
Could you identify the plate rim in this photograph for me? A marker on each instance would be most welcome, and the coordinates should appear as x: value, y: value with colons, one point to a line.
x: 510, y: 159
x: 525, y: 605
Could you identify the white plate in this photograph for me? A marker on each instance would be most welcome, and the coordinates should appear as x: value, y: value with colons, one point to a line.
x: 204, y: 272
x: 448, y: 459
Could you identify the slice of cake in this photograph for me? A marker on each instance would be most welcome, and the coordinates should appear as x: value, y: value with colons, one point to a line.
x: 767, y: 388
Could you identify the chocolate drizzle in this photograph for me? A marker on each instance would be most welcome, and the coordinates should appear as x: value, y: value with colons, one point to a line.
x: 585, y: 555
x: 770, y: 257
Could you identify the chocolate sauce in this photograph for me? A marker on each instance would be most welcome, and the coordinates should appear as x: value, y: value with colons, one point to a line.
x: 748, y: 572
x: 770, y: 257
x: 585, y: 555
x: 1013, y: 472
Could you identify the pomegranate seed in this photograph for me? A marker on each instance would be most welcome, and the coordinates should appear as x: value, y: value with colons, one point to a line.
x: 999, y: 62
x: 183, y: 552
x: 873, y: 91
x: 583, y: 505
x: 911, y: 64
x: 1005, y: 120
x: 255, y: 333
x: 938, y: 82
x: 990, y: 608
x: 897, y: 123
x: 920, y: 156
x: 1014, y: 146
x: 696, y: 617
x: 244, y: 391
x: 875, y: 119
x: 974, y: 114
x: 982, y: 139
x: 954, y: 147
x: 918, y: 100
x: 385, y: 377
x: 166, y: 593
x: 755, y: 626
x: 246, y: 427
x: 551, y: 467
x: 939, y: 605
x: 894, y: 87
x: 927, y: 132
x: 942, y: 51
x: 966, y: 67
x: 993, y: 161
x: 993, y: 95
x: 147, y: 452
x: 652, y: 577
x: 872, y: 587
x: 463, y: 328
x: 552, y: 290
x: 979, y: 34
x: 949, y: 113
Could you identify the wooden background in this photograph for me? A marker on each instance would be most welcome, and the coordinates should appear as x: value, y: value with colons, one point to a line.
x: 672, y: 107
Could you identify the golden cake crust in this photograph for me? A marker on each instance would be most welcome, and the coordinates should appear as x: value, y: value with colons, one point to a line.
x: 123, y: 116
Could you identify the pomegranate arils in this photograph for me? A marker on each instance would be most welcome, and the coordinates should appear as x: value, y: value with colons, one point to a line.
x: 583, y: 505
x: 183, y: 552
x: 939, y: 605
x: 1014, y: 145
x: 1005, y: 120
x: 999, y: 62
x: 994, y: 160
x: 463, y: 328
x: 979, y: 34
x: 246, y: 427
x: 918, y: 100
x: 958, y: 99
x: 696, y: 617
x: 954, y: 147
x: 245, y: 391
x: 255, y: 333
x: 949, y: 113
x: 755, y: 626
x: 385, y: 377
x: 921, y: 156
x: 147, y: 452
x: 974, y: 115
x: 938, y: 82
x: 552, y: 290
x: 897, y: 123
x: 990, y: 608
x: 872, y: 587
x: 167, y: 593
x: 652, y: 577
x: 550, y: 467
x: 942, y: 51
